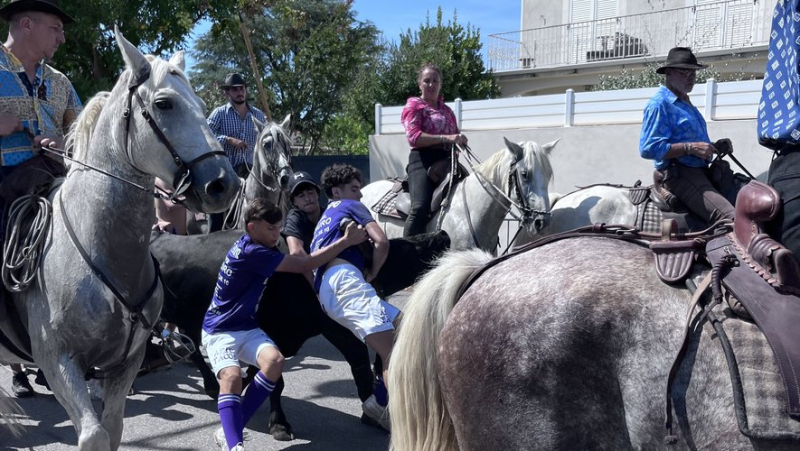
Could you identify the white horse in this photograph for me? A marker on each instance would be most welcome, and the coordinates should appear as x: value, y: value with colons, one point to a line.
x: 592, y: 205
x: 478, y: 205
x: 97, y: 293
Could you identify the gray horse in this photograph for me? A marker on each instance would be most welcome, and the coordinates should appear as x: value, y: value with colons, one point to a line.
x: 478, y: 206
x: 97, y: 292
x: 563, y: 347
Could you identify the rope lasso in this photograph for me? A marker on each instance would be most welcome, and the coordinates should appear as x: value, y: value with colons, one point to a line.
x: 22, y: 252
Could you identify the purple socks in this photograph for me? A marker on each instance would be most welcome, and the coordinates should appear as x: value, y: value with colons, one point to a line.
x: 254, y: 396
x: 230, y: 415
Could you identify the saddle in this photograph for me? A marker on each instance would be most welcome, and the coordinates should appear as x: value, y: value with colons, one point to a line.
x: 396, y: 203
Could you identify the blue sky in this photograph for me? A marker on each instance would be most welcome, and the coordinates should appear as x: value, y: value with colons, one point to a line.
x: 393, y: 17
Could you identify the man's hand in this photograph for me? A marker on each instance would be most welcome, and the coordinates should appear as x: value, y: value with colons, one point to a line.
x: 9, y: 124
x: 702, y: 150
x: 354, y: 234
x: 237, y: 143
x: 49, y: 140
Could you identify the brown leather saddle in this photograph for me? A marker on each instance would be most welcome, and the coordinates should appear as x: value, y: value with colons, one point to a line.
x: 396, y: 202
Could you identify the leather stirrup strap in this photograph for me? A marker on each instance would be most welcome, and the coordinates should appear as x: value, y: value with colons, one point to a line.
x: 676, y: 364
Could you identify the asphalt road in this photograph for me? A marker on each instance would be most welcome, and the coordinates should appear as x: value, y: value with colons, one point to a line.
x: 169, y: 411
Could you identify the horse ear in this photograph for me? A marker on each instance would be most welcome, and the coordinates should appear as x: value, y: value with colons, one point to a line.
x: 179, y: 60
x: 515, y: 149
x: 259, y: 125
x: 134, y: 59
x: 286, y: 121
x: 549, y: 146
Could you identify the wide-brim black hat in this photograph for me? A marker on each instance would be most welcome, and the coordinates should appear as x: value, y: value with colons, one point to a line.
x: 299, y: 179
x: 232, y: 80
x: 45, y: 6
x: 680, y: 58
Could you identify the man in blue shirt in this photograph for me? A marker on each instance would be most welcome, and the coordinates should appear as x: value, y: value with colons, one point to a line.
x: 230, y: 327
x: 343, y: 285
x: 674, y: 135
x: 233, y: 126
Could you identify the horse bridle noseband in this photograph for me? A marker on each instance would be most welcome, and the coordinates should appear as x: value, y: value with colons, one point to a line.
x: 183, y: 175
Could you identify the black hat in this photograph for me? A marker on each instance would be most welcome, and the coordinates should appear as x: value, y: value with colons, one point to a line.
x: 680, y: 58
x: 232, y: 80
x: 299, y: 179
x: 45, y: 6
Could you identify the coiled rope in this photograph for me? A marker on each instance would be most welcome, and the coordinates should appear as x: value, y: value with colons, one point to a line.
x: 22, y: 251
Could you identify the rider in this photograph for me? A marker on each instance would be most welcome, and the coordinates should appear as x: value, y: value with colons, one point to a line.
x: 233, y: 125
x: 431, y: 130
x: 674, y: 134
x: 230, y: 328
x: 343, y: 286
x: 37, y: 106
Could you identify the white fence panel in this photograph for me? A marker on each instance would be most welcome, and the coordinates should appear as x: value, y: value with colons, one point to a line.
x: 729, y: 100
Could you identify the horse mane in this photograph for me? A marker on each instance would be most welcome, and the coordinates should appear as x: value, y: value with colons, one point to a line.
x: 81, y: 130
x: 496, y: 167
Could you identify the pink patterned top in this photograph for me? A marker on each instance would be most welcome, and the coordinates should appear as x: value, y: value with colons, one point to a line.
x: 418, y: 117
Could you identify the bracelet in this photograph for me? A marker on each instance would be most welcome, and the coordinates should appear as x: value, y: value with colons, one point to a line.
x: 686, y: 149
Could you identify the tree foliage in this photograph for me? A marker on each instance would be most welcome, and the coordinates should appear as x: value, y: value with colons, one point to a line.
x: 90, y: 57
x: 648, y: 78
x: 308, y: 50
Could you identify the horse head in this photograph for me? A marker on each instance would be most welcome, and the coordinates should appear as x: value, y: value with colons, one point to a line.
x: 166, y: 134
x: 528, y: 181
x: 272, y: 158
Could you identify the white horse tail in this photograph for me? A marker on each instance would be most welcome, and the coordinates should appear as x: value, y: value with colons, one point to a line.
x: 420, y: 421
x: 10, y: 413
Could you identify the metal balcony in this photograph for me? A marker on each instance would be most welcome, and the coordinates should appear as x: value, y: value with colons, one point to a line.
x: 727, y: 25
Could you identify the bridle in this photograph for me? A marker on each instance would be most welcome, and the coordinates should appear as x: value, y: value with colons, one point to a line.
x: 515, y: 177
x: 272, y: 168
x: 181, y: 180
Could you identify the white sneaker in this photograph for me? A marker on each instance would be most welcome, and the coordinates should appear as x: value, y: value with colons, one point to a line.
x: 377, y: 412
x: 219, y: 439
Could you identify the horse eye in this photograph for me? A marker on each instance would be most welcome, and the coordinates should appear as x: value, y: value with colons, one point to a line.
x: 163, y: 104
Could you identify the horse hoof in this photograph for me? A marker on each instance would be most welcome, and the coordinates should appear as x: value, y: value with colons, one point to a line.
x: 281, y: 432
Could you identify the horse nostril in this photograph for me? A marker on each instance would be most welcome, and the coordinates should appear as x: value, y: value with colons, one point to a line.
x: 215, y: 188
x: 284, y: 181
x: 538, y: 223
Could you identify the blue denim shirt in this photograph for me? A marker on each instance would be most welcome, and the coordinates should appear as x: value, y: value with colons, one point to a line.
x: 668, y: 120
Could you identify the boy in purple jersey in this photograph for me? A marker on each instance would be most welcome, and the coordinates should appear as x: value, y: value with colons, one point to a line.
x: 343, y: 285
x: 230, y: 328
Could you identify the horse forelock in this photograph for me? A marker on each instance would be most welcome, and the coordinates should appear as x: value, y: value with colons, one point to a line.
x: 536, y: 157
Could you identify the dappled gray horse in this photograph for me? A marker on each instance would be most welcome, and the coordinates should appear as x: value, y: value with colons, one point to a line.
x: 478, y: 205
x: 97, y: 293
x: 564, y: 347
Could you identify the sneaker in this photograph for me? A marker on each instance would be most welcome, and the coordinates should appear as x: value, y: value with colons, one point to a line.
x: 21, y: 386
x: 219, y: 439
x: 376, y: 412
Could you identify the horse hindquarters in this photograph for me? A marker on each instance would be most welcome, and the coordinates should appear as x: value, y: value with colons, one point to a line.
x: 576, y: 356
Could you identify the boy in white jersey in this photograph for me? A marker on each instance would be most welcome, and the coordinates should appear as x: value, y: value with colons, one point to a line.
x: 230, y: 328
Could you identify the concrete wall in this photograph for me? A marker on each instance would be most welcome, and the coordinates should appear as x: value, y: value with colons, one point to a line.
x: 543, y: 13
x: 585, y: 154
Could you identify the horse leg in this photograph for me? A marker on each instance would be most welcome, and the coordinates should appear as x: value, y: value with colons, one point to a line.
x: 115, y: 391
x: 279, y: 428
x: 67, y: 382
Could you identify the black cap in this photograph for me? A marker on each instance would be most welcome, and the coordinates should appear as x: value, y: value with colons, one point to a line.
x: 45, y: 6
x: 680, y: 58
x: 232, y: 80
x: 299, y: 179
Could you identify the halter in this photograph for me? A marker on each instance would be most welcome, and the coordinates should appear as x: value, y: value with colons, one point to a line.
x: 183, y: 175
x: 275, y: 171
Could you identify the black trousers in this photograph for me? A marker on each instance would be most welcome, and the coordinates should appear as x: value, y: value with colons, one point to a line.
x: 421, y: 187
x: 784, y: 176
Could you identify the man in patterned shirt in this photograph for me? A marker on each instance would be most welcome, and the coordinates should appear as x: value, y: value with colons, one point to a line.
x: 37, y: 102
x: 674, y: 134
x: 233, y: 125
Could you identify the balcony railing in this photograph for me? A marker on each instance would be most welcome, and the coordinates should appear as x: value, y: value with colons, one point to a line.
x: 733, y: 24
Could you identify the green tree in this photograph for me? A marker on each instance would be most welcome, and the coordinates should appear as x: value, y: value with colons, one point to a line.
x: 451, y: 46
x: 309, y: 51
x: 648, y: 78
x: 90, y: 57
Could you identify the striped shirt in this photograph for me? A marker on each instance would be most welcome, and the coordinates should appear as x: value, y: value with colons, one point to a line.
x: 47, y: 106
x: 225, y: 122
